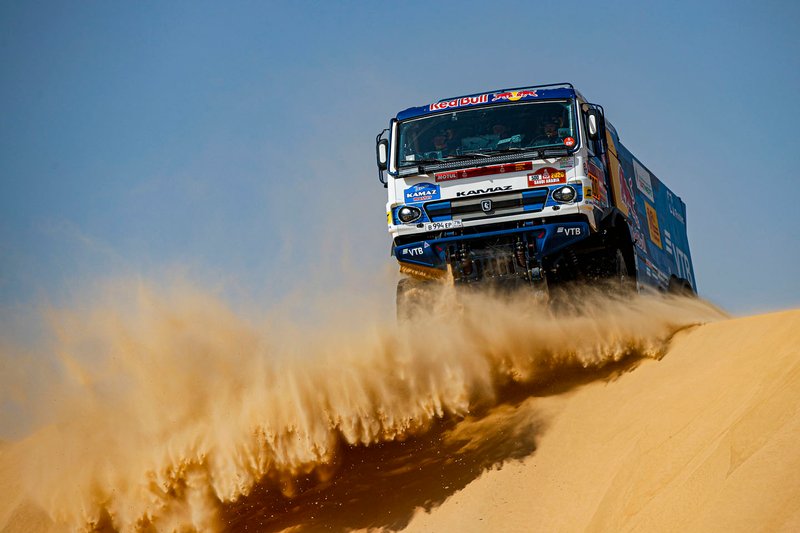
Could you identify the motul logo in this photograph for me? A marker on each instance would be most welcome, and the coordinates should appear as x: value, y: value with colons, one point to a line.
x: 484, y: 191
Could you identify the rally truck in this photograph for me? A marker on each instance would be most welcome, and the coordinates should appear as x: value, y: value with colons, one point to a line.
x: 528, y: 186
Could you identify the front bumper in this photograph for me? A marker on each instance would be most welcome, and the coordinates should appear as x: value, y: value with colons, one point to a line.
x: 539, y: 241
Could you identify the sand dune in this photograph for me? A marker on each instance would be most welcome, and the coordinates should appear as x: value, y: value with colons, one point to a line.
x: 650, y: 414
x: 705, y: 439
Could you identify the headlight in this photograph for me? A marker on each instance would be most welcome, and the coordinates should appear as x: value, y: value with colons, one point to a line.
x: 408, y: 214
x: 564, y: 194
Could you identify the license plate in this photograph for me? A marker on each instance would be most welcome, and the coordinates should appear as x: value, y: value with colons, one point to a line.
x: 439, y: 226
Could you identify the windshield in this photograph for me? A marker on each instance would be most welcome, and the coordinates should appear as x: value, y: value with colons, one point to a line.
x: 487, y: 130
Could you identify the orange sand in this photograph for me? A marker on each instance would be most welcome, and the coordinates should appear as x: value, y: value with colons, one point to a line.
x: 705, y: 439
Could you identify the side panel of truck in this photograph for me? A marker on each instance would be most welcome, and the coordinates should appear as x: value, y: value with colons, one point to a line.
x: 656, y: 218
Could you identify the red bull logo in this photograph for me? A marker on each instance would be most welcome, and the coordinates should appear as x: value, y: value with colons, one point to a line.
x: 459, y: 102
x: 513, y: 96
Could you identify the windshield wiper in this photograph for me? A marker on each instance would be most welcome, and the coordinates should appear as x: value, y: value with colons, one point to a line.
x: 470, y: 155
x: 510, y: 149
x: 542, y: 151
x: 418, y: 162
x: 554, y: 151
x: 537, y: 151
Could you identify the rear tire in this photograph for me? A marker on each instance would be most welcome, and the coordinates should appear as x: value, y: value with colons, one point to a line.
x: 680, y: 287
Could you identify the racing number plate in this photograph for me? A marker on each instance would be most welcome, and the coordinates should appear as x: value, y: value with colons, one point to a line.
x: 438, y: 226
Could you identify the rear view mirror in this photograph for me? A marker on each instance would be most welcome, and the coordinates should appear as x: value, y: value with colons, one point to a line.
x: 592, y: 126
x: 593, y: 123
x: 382, y: 155
x: 382, y: 149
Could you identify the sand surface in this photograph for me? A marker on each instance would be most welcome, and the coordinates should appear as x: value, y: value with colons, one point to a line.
x: 705, y: 439
x: 648, y: 415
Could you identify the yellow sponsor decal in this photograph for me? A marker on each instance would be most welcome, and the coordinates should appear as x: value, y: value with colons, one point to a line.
x: 596, y: 189
x: 389, y: 218
x: 652, y: 225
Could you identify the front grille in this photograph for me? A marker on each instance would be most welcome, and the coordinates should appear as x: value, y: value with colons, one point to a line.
x: 505, y: 204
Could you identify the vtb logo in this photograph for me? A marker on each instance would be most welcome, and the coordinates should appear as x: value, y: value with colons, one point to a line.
x: 486, y: 205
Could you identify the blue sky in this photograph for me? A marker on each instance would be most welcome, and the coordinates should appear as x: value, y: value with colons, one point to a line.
x: 234, y: 141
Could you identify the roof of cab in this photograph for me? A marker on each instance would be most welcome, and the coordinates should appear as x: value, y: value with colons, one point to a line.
x: 536, y: 92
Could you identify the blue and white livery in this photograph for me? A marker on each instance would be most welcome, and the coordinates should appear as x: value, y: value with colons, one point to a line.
x: 526, y: 186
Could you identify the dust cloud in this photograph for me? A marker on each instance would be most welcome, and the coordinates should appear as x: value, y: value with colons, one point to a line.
x: 167, y: 406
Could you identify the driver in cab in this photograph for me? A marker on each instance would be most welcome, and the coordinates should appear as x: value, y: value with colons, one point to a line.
x: 549, y: 137
x: 445, y: 141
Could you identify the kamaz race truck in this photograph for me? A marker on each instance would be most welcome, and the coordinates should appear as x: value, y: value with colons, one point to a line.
x: 526, y: 186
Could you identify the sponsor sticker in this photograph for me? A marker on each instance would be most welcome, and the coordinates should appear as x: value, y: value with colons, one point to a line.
x: 460, y: 102
x: 513, y: 96
x: 668, y: 241
x: 473, y: 192
x: 422, y: 192
x: 683, y: 265
x: 482, y: 171
x: 569, y: 232
x: 595, y: 184
x: 643, y: 182
x: 547, y: 176
x: 413, y: 252
x: 673, y: 210
x: 598, y: 186
x: 652, y: 225
x: 566, y: 163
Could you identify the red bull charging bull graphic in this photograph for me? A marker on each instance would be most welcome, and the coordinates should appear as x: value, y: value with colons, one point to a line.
x: 513, y: 96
